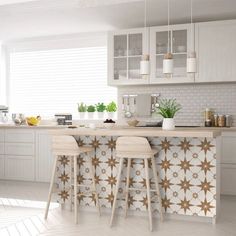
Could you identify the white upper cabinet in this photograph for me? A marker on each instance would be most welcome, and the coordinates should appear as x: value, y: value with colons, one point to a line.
x: 216, y: 50
x: 125, y: 49
x: 179, y: 45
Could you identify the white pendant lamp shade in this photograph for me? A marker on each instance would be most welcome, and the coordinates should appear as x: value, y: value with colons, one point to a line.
x: 168, y: 64
x: 192, y: 63
x: 145, y: 65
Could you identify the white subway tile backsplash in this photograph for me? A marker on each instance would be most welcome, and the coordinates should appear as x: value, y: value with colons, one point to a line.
x: 193, y: 98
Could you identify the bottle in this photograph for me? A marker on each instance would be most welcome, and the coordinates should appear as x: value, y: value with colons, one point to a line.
x: 221, y: 121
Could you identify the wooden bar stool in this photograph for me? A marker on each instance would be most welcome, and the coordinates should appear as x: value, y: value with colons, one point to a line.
x: 63, y: 145
x: 136, y: 148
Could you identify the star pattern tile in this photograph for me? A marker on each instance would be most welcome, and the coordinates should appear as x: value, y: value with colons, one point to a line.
x: 186, y: 169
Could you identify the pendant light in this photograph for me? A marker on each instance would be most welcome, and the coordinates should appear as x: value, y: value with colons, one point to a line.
x: 168, y: 62
x: 145, y: 61
x: 192, y: 58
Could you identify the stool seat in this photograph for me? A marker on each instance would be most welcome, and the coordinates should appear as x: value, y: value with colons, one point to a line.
x: 135, y: 155
x: 73, y: 152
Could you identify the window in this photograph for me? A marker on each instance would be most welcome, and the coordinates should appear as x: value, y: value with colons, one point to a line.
x: 45, y: 82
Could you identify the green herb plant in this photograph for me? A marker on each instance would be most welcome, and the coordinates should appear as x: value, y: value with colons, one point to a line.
x: 168, y: 108
x: 82, y: 107
x: 91, y: 108
x: 111, y: 107
x: 100, y: 107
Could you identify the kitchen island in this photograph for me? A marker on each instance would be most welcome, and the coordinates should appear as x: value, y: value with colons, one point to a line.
x: 187, y: 165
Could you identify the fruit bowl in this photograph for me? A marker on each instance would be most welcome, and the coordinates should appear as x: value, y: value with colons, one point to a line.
x: 33, y: 121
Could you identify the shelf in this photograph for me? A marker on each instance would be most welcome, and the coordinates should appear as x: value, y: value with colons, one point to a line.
x: 174, y: 53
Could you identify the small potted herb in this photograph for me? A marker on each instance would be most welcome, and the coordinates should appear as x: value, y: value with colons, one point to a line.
x: 82, y: 108
x: 167, y: 109
x: 91, y: 109
x: 111, y: 109
x: 100, y: 107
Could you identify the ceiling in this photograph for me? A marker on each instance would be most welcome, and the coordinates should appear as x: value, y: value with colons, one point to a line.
x: 29, y: 18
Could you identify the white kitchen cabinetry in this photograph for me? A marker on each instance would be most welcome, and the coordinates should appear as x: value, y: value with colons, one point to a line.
x: 44, y: 158
x: 216, y: 49
x: 19, y: 150
x: 228, y: 163
x: 179, y: 46
x: 125, y: 49
x: 2, y: 157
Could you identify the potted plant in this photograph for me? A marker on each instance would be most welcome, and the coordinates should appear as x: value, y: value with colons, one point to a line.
x: 100, y: 107
x: 167, y: 109
x: 111, y: 109
x: 91, y: 109
x: 82, y: 108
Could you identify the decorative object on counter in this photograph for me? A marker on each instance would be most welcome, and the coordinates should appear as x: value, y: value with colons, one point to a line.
x: 208, y: 114
x: 216, y: 120
x: 109, y: 123
x: 154, y: 102
x: 167, y: 109
x: 221, y: 121
x: 192, y: 58
x: 3, y: 114
x: 228, y: 120
x: 18, y: 119
x: 63, y: 118
x: 100, y: 107
x: 168, y: 62
x: 91, y: 109
x: 82, y: 108
x: 111, y: 109
x: 126, y: 106
x: 33, y: 121
x: 133, y: 122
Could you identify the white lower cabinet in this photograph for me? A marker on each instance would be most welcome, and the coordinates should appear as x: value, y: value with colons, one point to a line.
x: 19, y: 167
x: 228, y: 163
x: 44, y: 158
x: 2, y: 166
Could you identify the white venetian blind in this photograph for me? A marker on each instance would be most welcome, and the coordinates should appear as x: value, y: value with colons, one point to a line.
x: 51, y: 81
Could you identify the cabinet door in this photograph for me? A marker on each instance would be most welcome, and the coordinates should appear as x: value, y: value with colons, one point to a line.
x: 125, y: 49
x: 44, y: 158
x: 2, y: 166
x: 178, y: 44
x: 228, y: 179
x: 216, y: 49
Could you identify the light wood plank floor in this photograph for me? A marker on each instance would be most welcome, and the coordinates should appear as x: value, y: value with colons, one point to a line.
x: 22, y: 207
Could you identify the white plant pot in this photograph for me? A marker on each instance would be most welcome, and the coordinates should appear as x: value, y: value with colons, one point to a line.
x: 82, y: 115
x: 90, y: 115
x: 168, y: 124
x: 111, y: 115
x: 100, y: 115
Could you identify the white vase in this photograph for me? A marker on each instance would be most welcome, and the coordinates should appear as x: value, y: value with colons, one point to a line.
x: 90, y: 115
x: 168, y: 124
x: 82, y: 115
x: 100, y: 115
x: 111, y: 115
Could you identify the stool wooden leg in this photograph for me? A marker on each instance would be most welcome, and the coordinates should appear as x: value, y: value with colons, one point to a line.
x: 51, y: 186
x: 94, y: 185
x: 75, y: 190
x: 157, y: 187
x: 117, y: 189
x: 148, y: 193
x: 127, y: 186
x: 71, y: 183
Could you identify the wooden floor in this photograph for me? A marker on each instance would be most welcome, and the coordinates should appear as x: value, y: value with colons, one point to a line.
x: 22, y: 206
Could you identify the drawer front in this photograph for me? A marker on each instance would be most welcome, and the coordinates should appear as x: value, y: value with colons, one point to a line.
x: 2, y: 164
x: 2, y: 148
x: 228, y: 179
x: 2, y: 132
x: 19, y: 136
x: 25, y: 149
x: 19, y: 167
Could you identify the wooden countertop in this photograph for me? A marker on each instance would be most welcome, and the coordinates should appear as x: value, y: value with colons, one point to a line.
x: 144, y: 131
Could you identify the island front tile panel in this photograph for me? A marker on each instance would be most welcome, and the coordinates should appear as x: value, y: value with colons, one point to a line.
x: 186, y: 169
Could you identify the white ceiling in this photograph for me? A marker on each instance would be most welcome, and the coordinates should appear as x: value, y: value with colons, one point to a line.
x: 29, y: 18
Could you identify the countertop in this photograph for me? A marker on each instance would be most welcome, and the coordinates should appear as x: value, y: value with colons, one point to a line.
x: 144, y: 131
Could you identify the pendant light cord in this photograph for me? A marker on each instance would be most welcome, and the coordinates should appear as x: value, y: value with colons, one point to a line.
x: 168, y: 46
x: 191, y: 2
